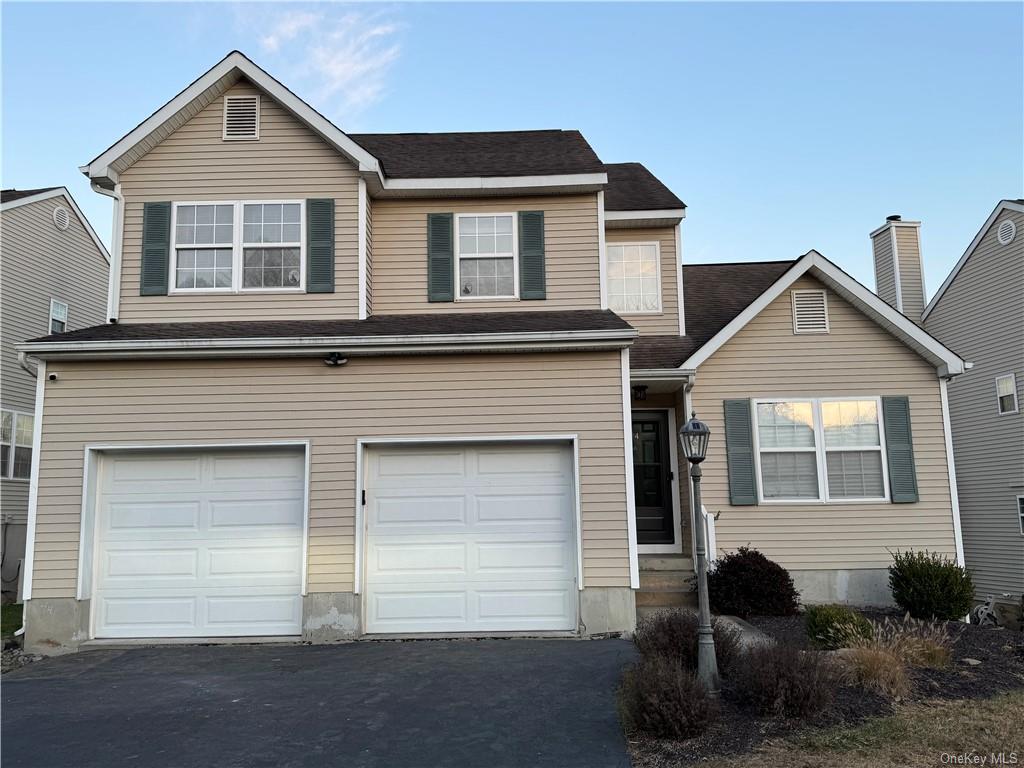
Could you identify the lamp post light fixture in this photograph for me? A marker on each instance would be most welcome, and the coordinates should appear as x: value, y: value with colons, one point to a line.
x: 694, y: 437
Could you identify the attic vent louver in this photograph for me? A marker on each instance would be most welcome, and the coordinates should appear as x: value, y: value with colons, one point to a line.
x: 810, y: 312
x: 61, y: 218
x: 1006, y: 232
x: 241, y: 118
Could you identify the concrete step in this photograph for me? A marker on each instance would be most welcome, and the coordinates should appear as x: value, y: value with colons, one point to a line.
x: 666, y: 563
x: 682, y: 580
x: 666, y: 598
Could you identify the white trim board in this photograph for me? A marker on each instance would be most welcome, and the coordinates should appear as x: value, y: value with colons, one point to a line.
x: 946, y: 362
x: 676, y: 547
x: 680, y: 287
x: 362, y: 443
x: 361, y: 230
x: 62, y: 192
x: 627, y: 454
x: 33, y: 489
x: 602, y: 268
x: 1004, y: 205
x: 665, y: 213
x: 954, y: 494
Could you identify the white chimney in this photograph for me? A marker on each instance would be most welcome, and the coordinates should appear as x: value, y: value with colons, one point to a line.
x: 899, y: 270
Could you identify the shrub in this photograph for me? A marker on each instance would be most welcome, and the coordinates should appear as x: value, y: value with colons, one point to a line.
x: 746, y: 583
x: 929, y: 586
x: 876, y: 668
x: 661, y: 697
x: 673, y: 635
x: 833, y: 626
x: 783, y: 680
x: 920, y: 643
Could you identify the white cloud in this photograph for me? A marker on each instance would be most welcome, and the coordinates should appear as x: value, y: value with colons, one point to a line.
x: 341, y: 57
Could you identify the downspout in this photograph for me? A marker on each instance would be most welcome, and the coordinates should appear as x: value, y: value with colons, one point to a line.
x: 24, y: 363
x: 114, y: 282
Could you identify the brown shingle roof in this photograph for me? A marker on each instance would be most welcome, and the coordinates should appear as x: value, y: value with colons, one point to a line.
x: 714, y: 295
x: 631, y: 187
x: 382, y: 325
x: 10, y: 195
x: 489, y: 153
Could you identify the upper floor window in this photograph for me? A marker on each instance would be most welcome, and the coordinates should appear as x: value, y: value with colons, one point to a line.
x: 486, y: 256
x: 1020, y: 513
x: 212, y: 253
x: 58, y: 316
x: 820, y: 450
x: 1006, y: 393
x: 16, y: 431
x: 634, y: 277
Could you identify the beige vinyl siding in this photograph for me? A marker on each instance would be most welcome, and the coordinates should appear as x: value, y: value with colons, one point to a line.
x: 857, y: 358
x: 981, y: 317
x: 911, y: 279
x: 40, y: 262
x: 570, y: 244
x: 666, y: 321
x: 217, y: 401
x: 885, y: 273
x: 289, y: 162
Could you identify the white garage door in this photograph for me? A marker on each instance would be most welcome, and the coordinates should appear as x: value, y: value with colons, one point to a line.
x: 199, y: 544
x: 470, y: 539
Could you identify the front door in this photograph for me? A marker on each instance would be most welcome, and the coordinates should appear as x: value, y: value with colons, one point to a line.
x: 652, y: 478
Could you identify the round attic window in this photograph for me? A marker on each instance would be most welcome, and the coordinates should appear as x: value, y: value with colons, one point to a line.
x: 61, y: 218
x: 1006, y: 232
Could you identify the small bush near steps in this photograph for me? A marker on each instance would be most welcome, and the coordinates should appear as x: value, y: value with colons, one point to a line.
x: 783, y: 680
x: 673, y: 635
x: 834, y: 626
x: 929, y: 586
x: 662, y: 698
x: 746, y: 583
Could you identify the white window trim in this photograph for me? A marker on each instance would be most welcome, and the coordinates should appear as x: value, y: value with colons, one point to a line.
x: 1020, y: 514
x: 824, y: 300
x: 224, y: 118
x: 1013, y: 390
x: 7, y: 473
x: 237, y: 248
x: 657, y: 275
x: 820, y: 450
x: 67, y: 313
x: 515, y: 256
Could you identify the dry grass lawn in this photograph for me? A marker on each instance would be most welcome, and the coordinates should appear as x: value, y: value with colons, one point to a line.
x: 917, y: 736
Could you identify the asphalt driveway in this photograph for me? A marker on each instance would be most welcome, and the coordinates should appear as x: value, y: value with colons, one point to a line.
x: 424, y: 704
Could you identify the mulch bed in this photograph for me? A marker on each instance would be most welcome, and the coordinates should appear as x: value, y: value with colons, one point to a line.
x: 738, y: 731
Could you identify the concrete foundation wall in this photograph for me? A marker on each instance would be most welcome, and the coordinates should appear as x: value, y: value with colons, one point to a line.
x: 55, y: 625
x: 328, y: 617
x: 863, y: 587
x: 607, y: 609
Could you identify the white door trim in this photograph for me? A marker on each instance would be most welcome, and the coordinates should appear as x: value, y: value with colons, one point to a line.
x: 88, y: 543
x: 363, y: 443
x: 676, y: 547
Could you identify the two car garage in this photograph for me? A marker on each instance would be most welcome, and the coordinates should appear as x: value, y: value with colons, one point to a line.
x: 479, y: 537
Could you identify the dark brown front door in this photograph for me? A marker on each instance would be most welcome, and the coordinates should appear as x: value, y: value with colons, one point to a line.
x: 652, y: 478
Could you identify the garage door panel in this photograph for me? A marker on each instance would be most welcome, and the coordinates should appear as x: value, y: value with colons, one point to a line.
x: 417, y: 611
x: 500, y: 606
x: 541, y: 466
x: 215, y: 552
x: 519, y: 557
x: 401, y: 510
x: 419, y: 467
x: 420, y: 559
x: 520, y: 509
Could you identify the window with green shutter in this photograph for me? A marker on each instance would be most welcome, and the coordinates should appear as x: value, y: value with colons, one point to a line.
x: 899, y: 444
x: 739, y: 448
x: 440, y: 257
x: 531, y: 255
x: 320, y: 245
x: 156, y: 249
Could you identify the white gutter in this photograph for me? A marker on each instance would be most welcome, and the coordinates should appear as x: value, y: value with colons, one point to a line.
x: 665, y: 213
x: 114, y: 278
x: 23, y: 362
x: 292, y: 346
x: 494, y: 182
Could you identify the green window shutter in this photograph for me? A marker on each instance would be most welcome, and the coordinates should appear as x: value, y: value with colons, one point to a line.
x: 899, y: 449
x: 156, y: 249
x: 531, y: 255
x: 320, y: 246
x: 440, y: 257
x: 739, y: 450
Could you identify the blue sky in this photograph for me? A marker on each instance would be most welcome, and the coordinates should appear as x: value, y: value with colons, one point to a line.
x: 784, y: 127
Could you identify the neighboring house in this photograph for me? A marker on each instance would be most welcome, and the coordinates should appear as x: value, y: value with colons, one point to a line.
x: 430, y: 383
x: 54, y: 279
x: 979, y: 312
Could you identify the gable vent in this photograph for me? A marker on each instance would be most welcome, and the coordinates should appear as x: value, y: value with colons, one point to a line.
x: 61, y: 218
x: 241, y: 117
x: 810, y: 312
x: 1006, y: 232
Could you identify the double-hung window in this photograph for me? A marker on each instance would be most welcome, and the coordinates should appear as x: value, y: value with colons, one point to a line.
x: 58, y: 316
x: 1006, y: 393
x: 1020, y: 513
x: 16, y: 444
x: 820, y: 449
x: 486, y: 263
x: 634, y: 277
x: 238, y: 246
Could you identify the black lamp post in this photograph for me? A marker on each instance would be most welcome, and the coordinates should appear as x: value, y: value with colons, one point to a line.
x: 694, y: 438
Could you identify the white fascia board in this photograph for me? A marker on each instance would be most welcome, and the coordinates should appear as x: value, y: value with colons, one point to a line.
x: 62, y: 192
x: 1004, y: 205
x: 665, y: 213
x: 100, y: 167
x: 946, y: 362
x: 660, y: 374
x: 494, y: 182
x: 307, y: 345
